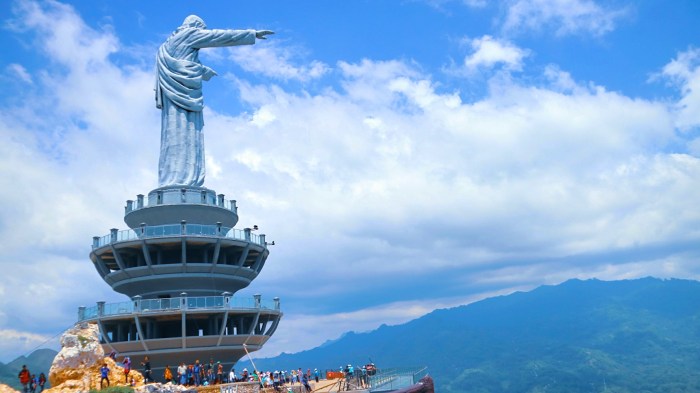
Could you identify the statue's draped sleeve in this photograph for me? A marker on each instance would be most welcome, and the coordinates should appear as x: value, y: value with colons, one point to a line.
x: 180, y: 73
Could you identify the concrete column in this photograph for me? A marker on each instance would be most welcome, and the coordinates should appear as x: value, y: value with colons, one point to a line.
x: 143, y: 228
x: 257, y: 300
x: 227, y: 299
x: 129, y: 206
x: 277, y: 303
x: 113, y: 235
x: 95, y: 241
x: 183, y: 300
x: 183, y: 227
x: 262, y: 240
x: 100, y: 309
x: 159, y: 197
x: 204, y: 197
x: 233, y: 206
x: 137, y: 303
x: 183, y: 195
x: 221, y: 200
x: 139, y: 201
x: 218, y: 228
x: 246, y: 232
x: 81, y: 313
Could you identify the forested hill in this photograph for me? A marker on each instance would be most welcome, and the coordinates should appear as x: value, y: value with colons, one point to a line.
x: 580, y: 336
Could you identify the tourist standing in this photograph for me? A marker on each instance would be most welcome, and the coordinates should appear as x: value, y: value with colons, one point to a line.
x: 197, y: 371
x: 232, y: 375
x: 104, y: 374
x: 182, y: 374
x: 219, y: 372
x: 316, y: 374
x: 127, y: 368
x: 146, y: 370
x: 42, y: 382
x: 24, y: 378
x: 167, y: 374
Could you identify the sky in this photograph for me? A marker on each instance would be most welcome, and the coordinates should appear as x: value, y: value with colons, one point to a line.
x: 404, y: 156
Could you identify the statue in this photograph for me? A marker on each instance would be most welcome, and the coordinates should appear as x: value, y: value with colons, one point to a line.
x: 179, y: 96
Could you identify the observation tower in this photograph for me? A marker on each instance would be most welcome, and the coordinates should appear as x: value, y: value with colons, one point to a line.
x: 182, y: 260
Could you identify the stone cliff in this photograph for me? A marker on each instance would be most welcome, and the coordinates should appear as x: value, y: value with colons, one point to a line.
x: 76, y: 368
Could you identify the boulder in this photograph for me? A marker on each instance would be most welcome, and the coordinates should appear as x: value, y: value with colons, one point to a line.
x: 76, y: 368
x: 6, y: 389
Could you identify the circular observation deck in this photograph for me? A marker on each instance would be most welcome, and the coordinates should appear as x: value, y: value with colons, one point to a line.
x: 166, y: 260
x: 179, y: 329
x: 168, y: 205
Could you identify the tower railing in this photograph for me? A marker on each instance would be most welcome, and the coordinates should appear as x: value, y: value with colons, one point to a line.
x: 176, y: 230
x: 203, y: 303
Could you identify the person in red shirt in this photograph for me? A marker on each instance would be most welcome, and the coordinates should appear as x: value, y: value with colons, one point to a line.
x: 24, y: 378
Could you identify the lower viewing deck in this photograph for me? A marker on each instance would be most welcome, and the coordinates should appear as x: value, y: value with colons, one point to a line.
x: 173, y: 330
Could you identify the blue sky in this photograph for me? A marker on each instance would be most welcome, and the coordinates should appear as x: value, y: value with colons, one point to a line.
x: 403, y: 155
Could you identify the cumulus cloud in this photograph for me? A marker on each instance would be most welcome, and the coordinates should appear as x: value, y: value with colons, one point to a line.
x: 684, y: 73
x: 489, y: 52
x: 276, y: 61
x: 563, y: 16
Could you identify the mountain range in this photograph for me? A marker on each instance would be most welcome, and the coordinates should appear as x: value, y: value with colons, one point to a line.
x: 579, y: 336
x: 639, y: 335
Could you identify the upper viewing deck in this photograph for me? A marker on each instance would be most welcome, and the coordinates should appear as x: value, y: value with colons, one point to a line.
x: 169, y: 205
x: 177, y: 230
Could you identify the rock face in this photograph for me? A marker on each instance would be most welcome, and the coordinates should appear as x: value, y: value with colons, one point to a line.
x: 76, y: 368
x: 6, y: 389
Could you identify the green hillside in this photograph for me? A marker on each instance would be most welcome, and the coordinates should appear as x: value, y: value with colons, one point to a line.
x: 37, y: 362
x: 580, y: 336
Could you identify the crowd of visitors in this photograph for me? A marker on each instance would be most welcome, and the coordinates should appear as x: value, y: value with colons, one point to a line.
x: 203, y: 374
x: 30, y: 382
x: 213, y: 373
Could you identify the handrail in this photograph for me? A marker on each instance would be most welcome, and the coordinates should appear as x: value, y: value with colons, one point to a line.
x: 145, y: 306
x: 176, y: 230
x: 395, y: 378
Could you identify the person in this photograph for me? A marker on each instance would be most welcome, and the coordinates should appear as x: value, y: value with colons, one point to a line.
x: 146, y: 370
x: 316, y: 374
x: 42, y: 382
x: 179, y: 97
x: 182, y: 374
x: 104, y: 374
x: 24, y: 378
x: 305, y: 382
x: 232, y: 375
x: 127, y: 368
x: 33, y: 383
x: 167, y: 374
x: 197, y: 371
x: 244, y: 375
x: 219, y: 372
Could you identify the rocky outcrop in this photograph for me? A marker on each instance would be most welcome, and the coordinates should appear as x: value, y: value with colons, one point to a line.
x: 76, y: 368
x: 6, y: 389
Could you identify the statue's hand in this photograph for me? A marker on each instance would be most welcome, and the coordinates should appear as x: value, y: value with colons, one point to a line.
x: 260, y: 34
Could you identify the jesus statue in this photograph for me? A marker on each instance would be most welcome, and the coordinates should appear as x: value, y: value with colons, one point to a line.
x: 179, y: 96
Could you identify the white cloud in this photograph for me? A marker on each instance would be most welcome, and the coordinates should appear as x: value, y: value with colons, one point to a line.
x: 684, y: 72
x: 488, y: 52
x: 564, y: 16
x: 18, y: 71
x: 275, y: 61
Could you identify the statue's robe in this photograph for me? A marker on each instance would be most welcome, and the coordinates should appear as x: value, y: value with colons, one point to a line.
x: 179, y: 96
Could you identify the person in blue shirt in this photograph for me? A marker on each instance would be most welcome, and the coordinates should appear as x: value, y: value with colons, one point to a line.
x: 104, y: 373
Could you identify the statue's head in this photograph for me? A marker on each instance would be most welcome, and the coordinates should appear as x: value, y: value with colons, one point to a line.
x: 194, y: 21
